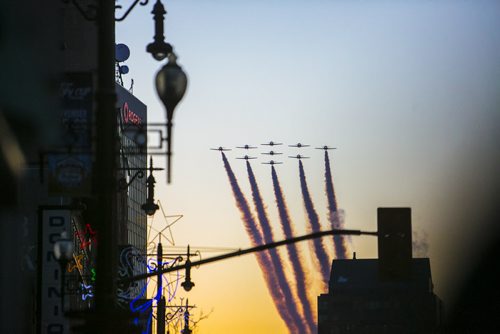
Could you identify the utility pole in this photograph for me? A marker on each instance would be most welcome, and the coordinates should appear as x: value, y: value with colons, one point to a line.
x: 186, y: 329
x: 104, y: 185
x: 160, y: 300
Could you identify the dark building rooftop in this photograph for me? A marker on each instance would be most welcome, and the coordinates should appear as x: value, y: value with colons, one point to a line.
x: 391, y: 295
x: 359, y: 275
x: 362, y: 300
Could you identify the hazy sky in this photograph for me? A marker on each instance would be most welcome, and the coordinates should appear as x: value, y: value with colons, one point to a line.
x: 407, y: 90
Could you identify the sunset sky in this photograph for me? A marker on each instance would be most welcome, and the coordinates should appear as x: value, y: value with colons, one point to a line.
x: 408, y: 91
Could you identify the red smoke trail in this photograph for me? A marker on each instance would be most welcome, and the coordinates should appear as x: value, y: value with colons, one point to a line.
x: 319, y: 248
x: 275, y: 257
x: 336, y: 223
x: 293, y: 253
x: 256, y: 239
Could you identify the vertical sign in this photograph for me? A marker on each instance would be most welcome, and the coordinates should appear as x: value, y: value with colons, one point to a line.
x: 53, y: 321
x: 70, y: 173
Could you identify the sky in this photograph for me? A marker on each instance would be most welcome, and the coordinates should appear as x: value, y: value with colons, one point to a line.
x: 406, y: 90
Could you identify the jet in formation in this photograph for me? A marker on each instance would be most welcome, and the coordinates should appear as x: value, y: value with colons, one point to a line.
x: 298, y: 156
x: 246, y: 147
x: 326, y: 148
x: 246, y: 157
x: 220, y: 148
x: 272, y: 162
x: 271, y: 143
x: 271, y: 153
x: 299, y: 145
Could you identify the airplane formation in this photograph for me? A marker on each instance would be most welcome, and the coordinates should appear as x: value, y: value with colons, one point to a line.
x: 272, y: 152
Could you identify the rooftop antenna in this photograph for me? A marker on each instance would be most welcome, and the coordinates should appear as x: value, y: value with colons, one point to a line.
x: 122, y: 53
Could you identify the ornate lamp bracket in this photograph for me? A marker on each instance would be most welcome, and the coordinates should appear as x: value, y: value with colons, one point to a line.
x: 90, y: 11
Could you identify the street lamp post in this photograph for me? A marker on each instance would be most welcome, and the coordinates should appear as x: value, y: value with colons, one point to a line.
x: 150, y: 206
x: 186, y: 329
x: 159, y: 49
x: 160, y: 301
x: 188, y: 284
x: 171, y: 84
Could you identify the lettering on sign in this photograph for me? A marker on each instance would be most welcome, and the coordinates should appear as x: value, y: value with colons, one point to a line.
x: 69, y: 91
x: 129, y: 116
x: 52, y: 319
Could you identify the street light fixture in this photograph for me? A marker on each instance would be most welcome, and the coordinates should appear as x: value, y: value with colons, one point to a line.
x: 150, y: 206
x: 63, y: 248
x: 63, y: 252
x: 188, y: 284
x: 159, y: 49
x: 171, y: 84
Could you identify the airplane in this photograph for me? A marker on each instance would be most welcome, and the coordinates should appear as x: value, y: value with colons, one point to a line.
x: 220, y: 148
x: 298, y: 156
x: 272, y: 162
x: 299, y: 145
x: 246, y: 157
x: 246, y: 147
x: 326, y: 148
x: 271, y: 143
x: 271, y: 153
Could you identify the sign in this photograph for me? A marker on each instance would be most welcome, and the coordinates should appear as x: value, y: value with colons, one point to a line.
x: 131, y: 262
x: 70, y: 174
x: 52, y: 318
x: 132, y: 115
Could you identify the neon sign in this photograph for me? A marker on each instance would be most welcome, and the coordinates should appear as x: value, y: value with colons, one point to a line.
x: 129, y: 116
x: 75, y: 264
x: 87, y: 291
x: 86, y: 237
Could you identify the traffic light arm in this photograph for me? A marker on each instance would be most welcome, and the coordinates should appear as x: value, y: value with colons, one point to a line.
x: 255, y: 249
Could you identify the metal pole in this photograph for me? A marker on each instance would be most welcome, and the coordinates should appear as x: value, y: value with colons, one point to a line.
x: 104, y: 169
x: 253, y: 250
x: 160, y: 301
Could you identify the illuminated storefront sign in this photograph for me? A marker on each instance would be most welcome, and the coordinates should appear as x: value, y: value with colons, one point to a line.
x: 129, y: 116
x: 133, y: 113
x: 52, y: 319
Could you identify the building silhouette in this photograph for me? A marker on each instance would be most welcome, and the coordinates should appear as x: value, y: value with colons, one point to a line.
x: 51, y: 83
x: 391, y: 294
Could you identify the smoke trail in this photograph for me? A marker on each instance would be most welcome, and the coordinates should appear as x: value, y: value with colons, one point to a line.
x: 420, y: 244
x: 293, y: 253
x: 335, y: 221
x: 319, y: 248
x: 275, y: 257
x: 256, y: 239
